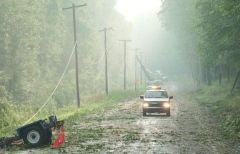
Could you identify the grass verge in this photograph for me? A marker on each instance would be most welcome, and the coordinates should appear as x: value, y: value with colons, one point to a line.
x: 224, y: 106
x: 13, y: 115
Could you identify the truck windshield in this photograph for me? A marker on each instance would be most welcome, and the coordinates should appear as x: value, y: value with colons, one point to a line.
x: 156, y: 94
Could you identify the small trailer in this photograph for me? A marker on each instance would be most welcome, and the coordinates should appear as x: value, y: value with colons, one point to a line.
x: 35, y: 134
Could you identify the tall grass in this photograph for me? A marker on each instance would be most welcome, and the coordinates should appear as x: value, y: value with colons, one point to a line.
x: 14, y: 115
x: 223, y: 105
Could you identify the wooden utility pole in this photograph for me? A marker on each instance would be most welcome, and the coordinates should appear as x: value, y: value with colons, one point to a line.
x: 106, y: 58
x: 135, y: 74
x: 125, y: 62
x: 146, y: 63
x: 141, y: 76
x: 73, y: 7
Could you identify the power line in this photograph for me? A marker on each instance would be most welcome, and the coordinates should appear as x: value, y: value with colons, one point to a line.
x: 56, y: 87
x: 144, y: 69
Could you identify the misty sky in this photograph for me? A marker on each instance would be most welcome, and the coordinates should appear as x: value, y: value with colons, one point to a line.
x: 132, y: 9
x: 150, y: 36
x: 146, y: 27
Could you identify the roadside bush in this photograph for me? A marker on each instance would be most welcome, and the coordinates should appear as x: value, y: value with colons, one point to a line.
x: 14, y: 115
x: 7, y: 113
x: 223, y: 106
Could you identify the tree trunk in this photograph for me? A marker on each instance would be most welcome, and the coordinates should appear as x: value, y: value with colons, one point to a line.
x: 209, y: 79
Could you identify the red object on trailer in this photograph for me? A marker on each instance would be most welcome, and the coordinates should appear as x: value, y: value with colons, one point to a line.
x: 59, y: 140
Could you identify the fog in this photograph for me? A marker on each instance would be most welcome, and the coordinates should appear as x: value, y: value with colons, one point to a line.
x: 87, y: 62
x: 159, y: 46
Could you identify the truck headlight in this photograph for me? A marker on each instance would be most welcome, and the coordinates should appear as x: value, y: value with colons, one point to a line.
x: 166, y: 105
x: 145, y: 105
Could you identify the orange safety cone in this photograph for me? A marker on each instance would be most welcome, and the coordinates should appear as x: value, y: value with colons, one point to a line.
x: 59, y: 140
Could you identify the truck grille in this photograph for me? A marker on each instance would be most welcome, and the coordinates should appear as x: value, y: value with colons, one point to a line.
x: 155, y: 104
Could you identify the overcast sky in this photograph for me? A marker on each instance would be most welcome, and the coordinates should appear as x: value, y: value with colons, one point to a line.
x: 132, y: 9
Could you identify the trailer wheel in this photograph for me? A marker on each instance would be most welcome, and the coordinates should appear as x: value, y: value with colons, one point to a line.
x: 34, y: 136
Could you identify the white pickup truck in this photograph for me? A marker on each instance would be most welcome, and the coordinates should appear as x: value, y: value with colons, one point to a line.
x: 156, y: 101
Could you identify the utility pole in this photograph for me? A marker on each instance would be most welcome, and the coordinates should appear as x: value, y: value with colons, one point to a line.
x: 106, y: 58
x: 135, y: 74
x: 73, y: 7
x: 146, y: 63
x: 125, y: 61
x: 141, y: 77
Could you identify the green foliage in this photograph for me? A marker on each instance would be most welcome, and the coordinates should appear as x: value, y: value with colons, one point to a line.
x: 37, y: 38
x: 10, y: 114
x: 208, y: 35
x: 224, y: 106
x: 35, y: 43
x: 208, y: 31
x: 131, y: 136
x: 14, y: 115
x: 219, y: 22
x: 179, y: 19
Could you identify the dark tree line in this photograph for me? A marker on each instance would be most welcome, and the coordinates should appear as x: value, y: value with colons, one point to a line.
x: 36, y: 41
x: 209, y: 32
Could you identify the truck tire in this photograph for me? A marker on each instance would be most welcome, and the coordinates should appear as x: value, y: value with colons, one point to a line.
x: 34, y: 136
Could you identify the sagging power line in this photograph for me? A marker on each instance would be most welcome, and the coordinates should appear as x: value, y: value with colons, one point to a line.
x: 144, y: 69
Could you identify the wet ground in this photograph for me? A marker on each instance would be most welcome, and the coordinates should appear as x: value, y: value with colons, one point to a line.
x: 123, y: 129
x: 189, y: 129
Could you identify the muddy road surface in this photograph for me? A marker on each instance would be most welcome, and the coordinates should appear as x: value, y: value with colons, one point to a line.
x: 123, y: 129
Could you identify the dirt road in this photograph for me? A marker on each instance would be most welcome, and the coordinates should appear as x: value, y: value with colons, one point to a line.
x: 123, y: 129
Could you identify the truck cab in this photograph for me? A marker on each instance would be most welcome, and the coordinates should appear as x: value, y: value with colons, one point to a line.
x: 156, y: 101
